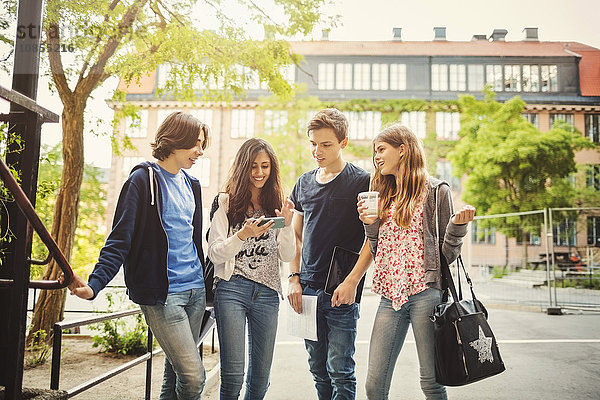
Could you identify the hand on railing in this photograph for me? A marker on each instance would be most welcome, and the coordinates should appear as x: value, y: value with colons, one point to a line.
x: 78, y: 287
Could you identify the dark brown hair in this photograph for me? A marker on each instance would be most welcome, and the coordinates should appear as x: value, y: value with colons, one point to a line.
x: 330, y: 118
x: 178, y: 131
x: 238, y: 182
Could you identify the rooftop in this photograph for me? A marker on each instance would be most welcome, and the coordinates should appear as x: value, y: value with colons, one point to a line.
x: 589, y: 64
x: 481, y: 48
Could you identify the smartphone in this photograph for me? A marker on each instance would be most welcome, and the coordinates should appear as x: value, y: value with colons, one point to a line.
x: 278, y: 222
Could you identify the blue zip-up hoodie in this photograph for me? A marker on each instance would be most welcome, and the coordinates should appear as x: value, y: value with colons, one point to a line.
x: 138, y: 240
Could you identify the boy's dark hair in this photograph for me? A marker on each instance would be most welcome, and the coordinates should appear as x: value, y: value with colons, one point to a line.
x: 178, y: 131
x: 330, y: 118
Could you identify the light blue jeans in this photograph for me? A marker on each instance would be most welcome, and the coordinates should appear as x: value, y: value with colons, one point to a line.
x: 389, y: 332
x: 236, y: 301
x: 330, y: 358
x: 176, y: 326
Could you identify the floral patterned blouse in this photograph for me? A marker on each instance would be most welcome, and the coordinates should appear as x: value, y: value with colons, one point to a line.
x: 399, y: 262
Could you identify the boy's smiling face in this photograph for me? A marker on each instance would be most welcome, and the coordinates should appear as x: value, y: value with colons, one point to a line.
x: 186, y: 158
x: 325, y: 147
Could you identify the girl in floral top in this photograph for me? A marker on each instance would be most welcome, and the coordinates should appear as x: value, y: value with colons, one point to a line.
x: 405, y: 245
x: 246, y: 256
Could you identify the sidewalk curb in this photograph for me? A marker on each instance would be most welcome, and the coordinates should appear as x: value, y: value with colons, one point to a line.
x: 514, y: 307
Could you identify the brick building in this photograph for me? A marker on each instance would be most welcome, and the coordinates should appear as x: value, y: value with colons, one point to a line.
x: 557, y: 80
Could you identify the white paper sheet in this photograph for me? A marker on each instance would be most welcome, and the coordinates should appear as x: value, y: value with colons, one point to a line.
x: 303, y: 325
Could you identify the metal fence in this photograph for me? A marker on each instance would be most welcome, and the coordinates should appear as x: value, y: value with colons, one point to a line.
x: 547, y: 258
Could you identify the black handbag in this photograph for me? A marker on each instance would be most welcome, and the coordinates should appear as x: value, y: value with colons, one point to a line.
x: 466, y: 350
x: 208, y: 268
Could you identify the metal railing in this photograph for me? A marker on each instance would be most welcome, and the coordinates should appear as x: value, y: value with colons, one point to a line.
x: 583, y: 276
x: 520, y: 258
x: 208, y: 323
x: 54, y: 251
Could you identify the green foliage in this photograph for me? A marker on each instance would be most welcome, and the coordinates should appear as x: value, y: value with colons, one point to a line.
x: 358, y: 150
x: 9, y: 142
x: 37, y: 353
x: 499, y: 271
x: 8, y: 13
x: 118, y: 337
x: 132, y: 39
x: 510, y: 165
x: 584, y: 281
x: 291, y: 143
x: 89, y: 236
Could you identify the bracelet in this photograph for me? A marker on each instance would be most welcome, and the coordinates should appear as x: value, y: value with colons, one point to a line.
x: 293, y: 274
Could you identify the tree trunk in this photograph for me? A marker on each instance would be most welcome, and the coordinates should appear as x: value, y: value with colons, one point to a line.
x: 50, y: 305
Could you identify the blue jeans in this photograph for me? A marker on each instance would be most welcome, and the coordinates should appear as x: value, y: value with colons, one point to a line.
x: 236, y: 301
x: 176, y: 326
x: 389, y: 332
x: 330, y: 357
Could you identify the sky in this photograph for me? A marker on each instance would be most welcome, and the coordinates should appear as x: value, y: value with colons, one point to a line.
x: 557, y: 20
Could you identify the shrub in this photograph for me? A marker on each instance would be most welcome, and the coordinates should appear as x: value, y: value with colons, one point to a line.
x: 38, y: 353
x: 118, y: 337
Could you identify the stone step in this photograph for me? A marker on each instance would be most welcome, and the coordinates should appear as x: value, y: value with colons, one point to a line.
x: 525, y: 277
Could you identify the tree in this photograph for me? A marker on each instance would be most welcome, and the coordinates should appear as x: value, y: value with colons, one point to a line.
x: 129, y: 39
x: 510, y: 165
x: 89, y: 235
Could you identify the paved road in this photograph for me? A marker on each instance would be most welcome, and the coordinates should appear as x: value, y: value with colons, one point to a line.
x: 547, y: 357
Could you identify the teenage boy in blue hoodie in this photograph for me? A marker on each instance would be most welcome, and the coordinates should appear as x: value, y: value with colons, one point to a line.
x: 157, y: 237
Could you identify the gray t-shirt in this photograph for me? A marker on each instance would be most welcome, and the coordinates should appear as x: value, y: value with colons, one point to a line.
x: 258, y: 260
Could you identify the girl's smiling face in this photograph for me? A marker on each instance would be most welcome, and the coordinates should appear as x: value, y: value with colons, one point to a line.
x: 261, y: 170
x: 387, y: 157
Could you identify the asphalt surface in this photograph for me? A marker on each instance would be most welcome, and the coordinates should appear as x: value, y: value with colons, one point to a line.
x: 546, y: 357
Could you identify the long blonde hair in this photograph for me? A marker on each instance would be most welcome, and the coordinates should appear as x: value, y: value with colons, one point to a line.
x: 406, y: 187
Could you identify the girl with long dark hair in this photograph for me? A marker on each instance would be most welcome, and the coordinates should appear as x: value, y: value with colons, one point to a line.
x: 246, y: 254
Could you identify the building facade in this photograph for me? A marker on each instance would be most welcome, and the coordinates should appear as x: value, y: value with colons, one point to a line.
x: 557, y: 80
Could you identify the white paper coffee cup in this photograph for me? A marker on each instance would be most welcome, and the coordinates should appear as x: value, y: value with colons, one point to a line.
x: 371, y: 200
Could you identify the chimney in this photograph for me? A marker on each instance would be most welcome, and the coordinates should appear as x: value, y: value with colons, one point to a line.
x: 325, y: 34
x: 479, y: 37
x: 531, y: 34
x: 439, y: 33
x: 499, y: 35
x: 397, y: 34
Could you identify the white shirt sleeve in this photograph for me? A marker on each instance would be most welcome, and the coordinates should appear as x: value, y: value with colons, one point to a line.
x: 222, y: 247
x: 286, y: 244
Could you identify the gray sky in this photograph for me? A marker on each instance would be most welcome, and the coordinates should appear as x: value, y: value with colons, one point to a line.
x: 557, y: 20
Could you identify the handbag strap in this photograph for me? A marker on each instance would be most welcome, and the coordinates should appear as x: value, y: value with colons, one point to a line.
x: 460, y: 264
x: 445, y: 267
